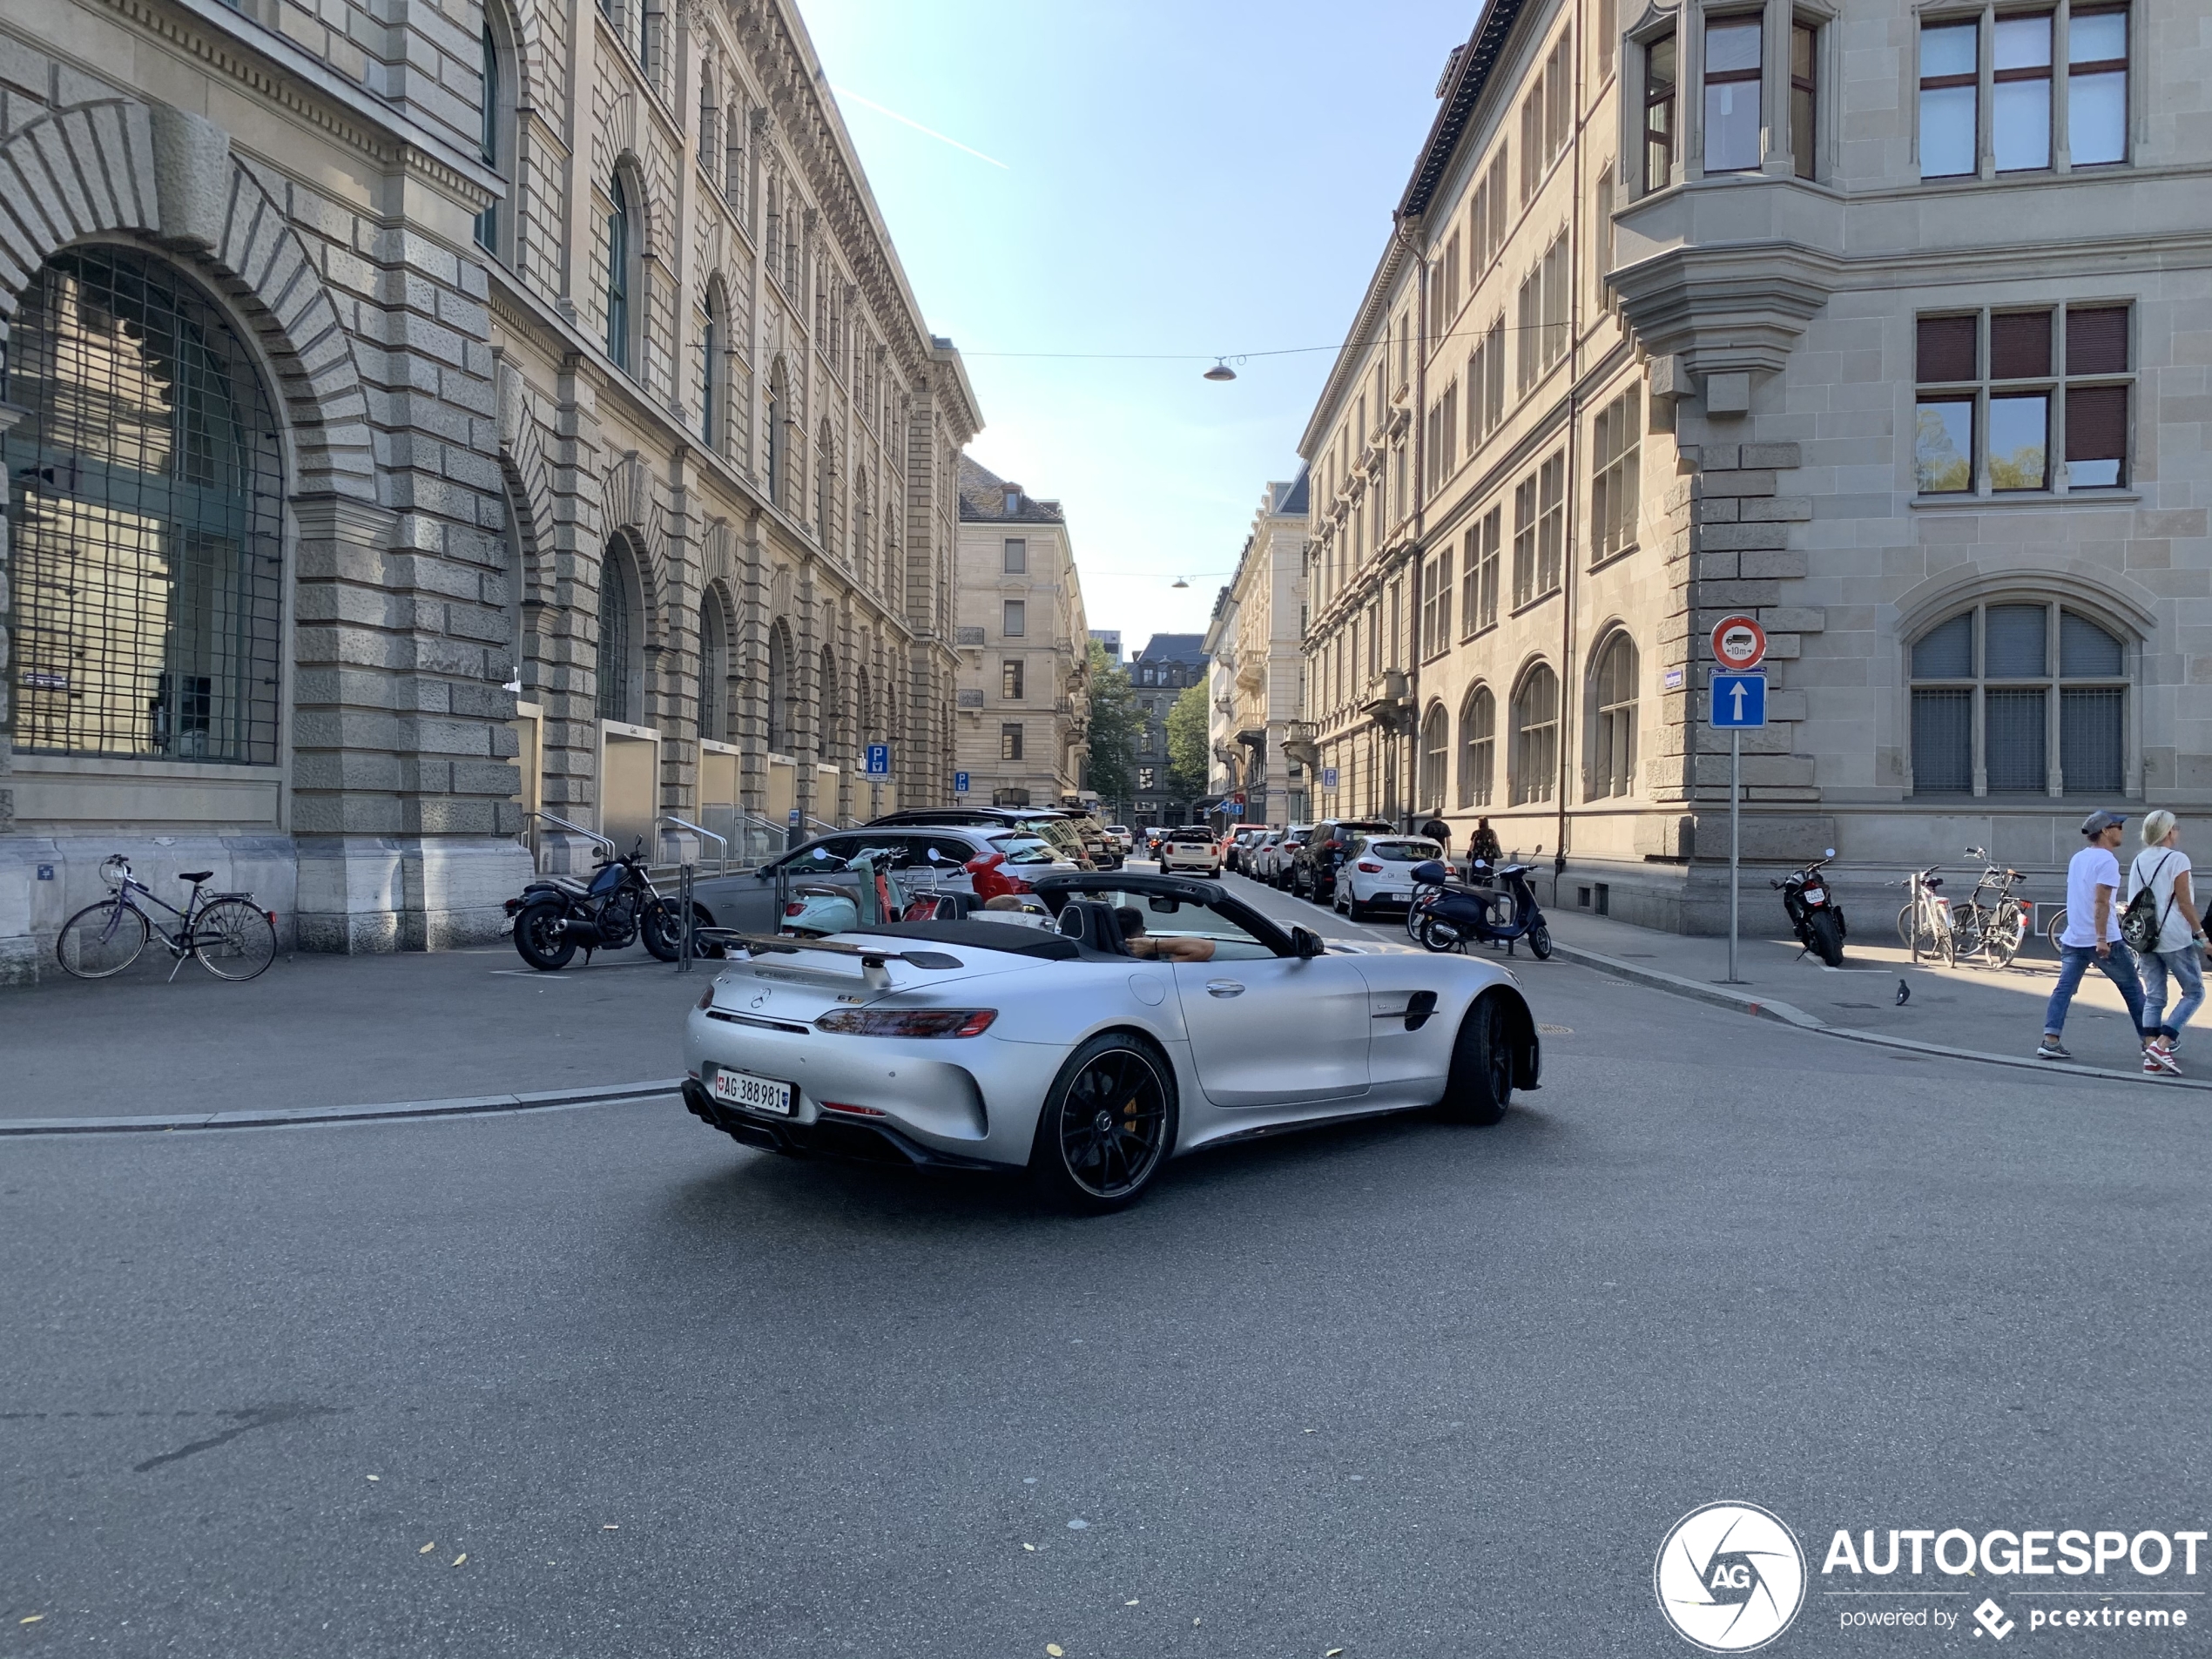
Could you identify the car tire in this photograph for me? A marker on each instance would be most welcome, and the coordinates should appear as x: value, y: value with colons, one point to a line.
x: 1078, y: 1121
x: 1479, y: 1086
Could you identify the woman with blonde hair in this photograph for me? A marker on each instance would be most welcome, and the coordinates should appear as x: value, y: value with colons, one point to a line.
x: 2163, y: 869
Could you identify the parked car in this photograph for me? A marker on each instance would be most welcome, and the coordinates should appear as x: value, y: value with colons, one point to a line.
x: 923, y: 858
x: 1274, y: 857
x: 1313, y: 868
x: 1238, y: 848
x: 1191, y: 850
x: 1256, y: 854
x: 1052, y: 827
x: 1378, y: 874
x: 1163, y: 1017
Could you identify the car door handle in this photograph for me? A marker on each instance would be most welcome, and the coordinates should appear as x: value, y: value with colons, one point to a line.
x: 1223, y: 987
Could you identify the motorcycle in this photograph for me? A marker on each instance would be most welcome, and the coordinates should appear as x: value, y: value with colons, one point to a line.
x: 1452, y: 914
x: 618, y: 906
x: 1814, y: 913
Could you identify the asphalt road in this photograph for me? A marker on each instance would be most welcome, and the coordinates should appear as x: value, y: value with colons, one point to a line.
x: 1409, y: 1389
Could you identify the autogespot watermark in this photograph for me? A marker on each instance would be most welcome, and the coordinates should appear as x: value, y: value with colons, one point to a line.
x: 1731, y: 1578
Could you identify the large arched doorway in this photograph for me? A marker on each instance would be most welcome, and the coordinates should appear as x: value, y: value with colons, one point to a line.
x: 146, y: 501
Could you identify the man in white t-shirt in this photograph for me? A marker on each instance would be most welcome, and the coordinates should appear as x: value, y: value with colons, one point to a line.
x: 2093, y: 932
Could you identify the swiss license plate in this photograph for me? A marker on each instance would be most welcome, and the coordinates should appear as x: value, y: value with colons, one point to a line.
x: 757, y: 1093
x: 1816, y: 895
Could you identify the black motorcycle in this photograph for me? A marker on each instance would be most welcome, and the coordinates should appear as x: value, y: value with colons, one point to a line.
x: 1495, y: 908
x: 1813, y: 910
x: 618, y: 906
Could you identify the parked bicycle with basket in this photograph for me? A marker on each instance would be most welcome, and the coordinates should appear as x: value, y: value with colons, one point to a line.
x: 227, y: 933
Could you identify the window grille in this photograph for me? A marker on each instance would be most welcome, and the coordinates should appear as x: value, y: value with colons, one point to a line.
x: 615, y: 631
x: 145, y: 495
x: 1981, y: 706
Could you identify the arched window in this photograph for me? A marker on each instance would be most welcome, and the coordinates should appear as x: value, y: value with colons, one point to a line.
x: 713, y: 387
x: 864, y: 728
x: 714, y: 670
x: 620, y: 271
x: 622, y: 644
x: 145, y: 498
x: 829, y: 725
x: 710, y: 151
x: 778, y: 690
x: 1478, y: 747
x: 774, y: 411
x: 519, y: 676
x: 825, y: 486
x: 1535, y: 736
x: 2018, y: 698
x: 1436, y: 750
x: 1612, y: 764
x: 488, y: 147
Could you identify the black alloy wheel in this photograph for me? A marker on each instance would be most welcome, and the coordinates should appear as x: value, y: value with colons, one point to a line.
x: 1108, y: 1125
x: 1480, y: 1087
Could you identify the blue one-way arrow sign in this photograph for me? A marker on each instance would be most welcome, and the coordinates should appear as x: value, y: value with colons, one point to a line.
x: 1739, y: 702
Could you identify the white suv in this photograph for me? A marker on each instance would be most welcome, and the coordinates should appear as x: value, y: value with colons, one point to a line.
x: 1190, y: 851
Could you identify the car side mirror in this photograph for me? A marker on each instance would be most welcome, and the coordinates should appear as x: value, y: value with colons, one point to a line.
x: 1306, y: 943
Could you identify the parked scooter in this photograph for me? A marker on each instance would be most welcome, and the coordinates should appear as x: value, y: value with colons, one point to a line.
x: 1455, y: 914
x: 619, y: 905
x: 1813, y: 910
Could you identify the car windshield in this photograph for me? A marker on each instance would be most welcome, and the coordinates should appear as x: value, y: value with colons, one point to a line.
x: 1195, y: 836
x: 1163, y: 916
x: 1401, y: 852
x: 1058, y: 830
x: 1024, y: 849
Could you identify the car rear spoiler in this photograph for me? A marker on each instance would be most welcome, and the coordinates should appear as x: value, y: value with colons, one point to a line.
x: 873, y: 957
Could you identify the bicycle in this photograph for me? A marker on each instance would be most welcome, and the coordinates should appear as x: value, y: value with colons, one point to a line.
x: 1933, y: 924
x: 1997, y: 929
x: 230, y: 936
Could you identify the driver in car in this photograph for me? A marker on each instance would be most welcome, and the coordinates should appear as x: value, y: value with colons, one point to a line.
x: 1175, y: 949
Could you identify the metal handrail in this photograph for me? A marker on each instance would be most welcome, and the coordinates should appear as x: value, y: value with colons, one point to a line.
x: 697, y: 829
x: 563, y: 823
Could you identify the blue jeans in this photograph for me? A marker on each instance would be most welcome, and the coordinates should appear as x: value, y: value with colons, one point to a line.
x: 2119, y: 967
x: 2184, y: 966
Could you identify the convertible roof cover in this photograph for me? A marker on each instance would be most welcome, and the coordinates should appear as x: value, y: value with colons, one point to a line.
x: 1013, y: 938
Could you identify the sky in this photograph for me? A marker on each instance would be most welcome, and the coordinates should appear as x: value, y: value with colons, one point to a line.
x: 1204, y: 178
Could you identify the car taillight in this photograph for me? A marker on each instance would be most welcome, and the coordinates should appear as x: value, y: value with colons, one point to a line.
x: 907, y: 1023
x: 706, y: 997
x: 1371, y: 869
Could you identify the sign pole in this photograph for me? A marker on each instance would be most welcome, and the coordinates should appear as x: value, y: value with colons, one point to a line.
x: 1735, y: 842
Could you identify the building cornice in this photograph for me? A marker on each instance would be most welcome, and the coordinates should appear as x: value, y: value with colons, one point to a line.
x: 278, y: 71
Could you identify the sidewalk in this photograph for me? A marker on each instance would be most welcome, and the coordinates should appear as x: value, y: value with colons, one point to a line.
x: 1981, y: 1012
x: 336, y: 1031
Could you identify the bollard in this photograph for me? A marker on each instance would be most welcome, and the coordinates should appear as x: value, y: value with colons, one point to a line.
x: 1915, y: 929
x: 685, y: 875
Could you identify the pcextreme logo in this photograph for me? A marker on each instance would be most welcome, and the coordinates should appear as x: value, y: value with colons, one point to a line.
x: 1730, y: 1577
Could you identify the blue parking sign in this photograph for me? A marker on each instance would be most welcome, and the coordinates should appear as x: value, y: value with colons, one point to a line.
x: 959, y: 783
x: 1739, y: 702
x: 1328, y: 777
x: 879, y: 760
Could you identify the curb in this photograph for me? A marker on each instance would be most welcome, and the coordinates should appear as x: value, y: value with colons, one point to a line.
x: 1788, y: 1014
x: 1764, y: 1007
x: 470, y: 1105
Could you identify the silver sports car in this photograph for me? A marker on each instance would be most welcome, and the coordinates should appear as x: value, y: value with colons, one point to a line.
x: 1159, y: 1015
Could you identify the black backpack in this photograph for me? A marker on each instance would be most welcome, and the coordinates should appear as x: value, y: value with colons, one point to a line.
x: 2142, y: 922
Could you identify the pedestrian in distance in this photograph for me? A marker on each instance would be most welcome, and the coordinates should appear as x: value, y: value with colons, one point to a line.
x: 2162, y: 870
x: 1436, y: 831
x: 2091, y: 933
x: 1485, y: 845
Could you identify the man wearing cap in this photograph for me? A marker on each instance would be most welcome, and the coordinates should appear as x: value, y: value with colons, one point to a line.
x: 2091, y: 933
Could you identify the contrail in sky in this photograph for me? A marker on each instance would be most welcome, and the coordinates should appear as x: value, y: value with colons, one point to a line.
x: 932, y: 131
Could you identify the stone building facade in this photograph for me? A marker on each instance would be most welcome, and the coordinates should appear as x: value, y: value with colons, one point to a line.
x: 1882, y: 324
x: 1158, y: 675
x: 1024, y: 644
x: 1256, y: 650
x: 414, y: 422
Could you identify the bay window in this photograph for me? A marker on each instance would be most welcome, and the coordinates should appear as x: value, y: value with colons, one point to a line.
x: 1732, y: 102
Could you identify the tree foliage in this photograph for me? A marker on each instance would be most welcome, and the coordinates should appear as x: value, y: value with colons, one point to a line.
x: 1115, y: 723
x: 1189, y: 751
